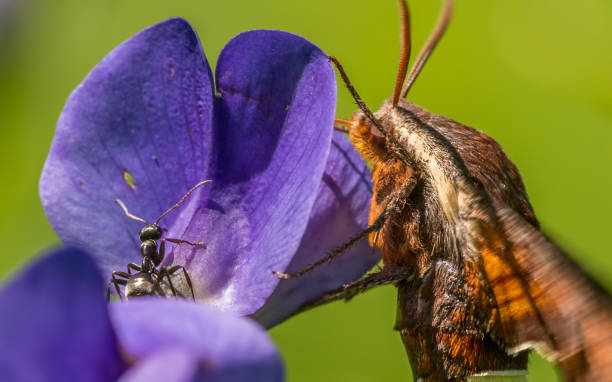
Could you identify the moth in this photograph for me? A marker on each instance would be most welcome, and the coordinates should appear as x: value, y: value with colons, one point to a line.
x: 479, y: 285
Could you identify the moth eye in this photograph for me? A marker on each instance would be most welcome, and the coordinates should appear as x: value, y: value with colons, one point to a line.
x: 375, y: 133
x: 376, y: 139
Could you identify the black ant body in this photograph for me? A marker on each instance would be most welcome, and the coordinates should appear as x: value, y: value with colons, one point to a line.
x: 148, y: 280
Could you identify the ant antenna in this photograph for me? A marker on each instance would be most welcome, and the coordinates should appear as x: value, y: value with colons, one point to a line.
x: 429, y: 46
x: 405, y: 48
x: 128, y: 214
x: 182, y: 199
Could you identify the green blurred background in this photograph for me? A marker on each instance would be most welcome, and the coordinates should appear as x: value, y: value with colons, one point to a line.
x: 535, y: 75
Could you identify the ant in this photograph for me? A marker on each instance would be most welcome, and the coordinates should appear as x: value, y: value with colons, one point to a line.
x: 148, y: 280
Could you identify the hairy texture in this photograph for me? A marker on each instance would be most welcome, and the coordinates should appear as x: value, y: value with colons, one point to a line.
x: 482, y: 294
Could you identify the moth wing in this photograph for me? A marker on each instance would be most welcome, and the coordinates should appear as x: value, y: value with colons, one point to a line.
x: 574, y: 312
x: 506, y: 299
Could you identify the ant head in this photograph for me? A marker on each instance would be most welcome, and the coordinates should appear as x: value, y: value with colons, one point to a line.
x: 151, y: 232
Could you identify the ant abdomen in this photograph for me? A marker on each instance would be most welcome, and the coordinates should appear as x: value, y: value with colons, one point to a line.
x: 140, y: 284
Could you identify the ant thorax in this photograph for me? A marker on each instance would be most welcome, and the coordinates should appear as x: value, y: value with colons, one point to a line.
x: 151, y: 277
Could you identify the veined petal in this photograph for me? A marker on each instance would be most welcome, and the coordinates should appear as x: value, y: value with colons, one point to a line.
x: 273, y: 126
x: 136, y: 129
x: 174, y: 364
x: 339, y: 213
x: 222, y: 347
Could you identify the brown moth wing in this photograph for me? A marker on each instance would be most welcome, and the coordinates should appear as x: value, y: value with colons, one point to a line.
x: 477, y: 280
x: 545, y: 300
x: 576, y: 310
x: 484, y: 158
x: 483, y: 174
x: 449, y: 319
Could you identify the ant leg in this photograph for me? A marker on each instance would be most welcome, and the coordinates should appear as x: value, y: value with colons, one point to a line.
x: 180, y: 241
x: 162, y: 252
x: 163, y: 272
x: 108, y: 291
x: 162, y: 247
x: 116, y: 282
x: 174, y: 269
x: 133, y: 266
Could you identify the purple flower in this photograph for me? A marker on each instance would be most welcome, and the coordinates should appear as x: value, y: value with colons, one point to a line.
x: 147, y: 124
x: 55, y: 326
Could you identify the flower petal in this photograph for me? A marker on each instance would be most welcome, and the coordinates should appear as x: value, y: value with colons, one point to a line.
x: 340, y: 213
x: 273, y: 126
x: 226, y: 347
x: 172, y: 364
x: 54, y: 324
x: 137, y: 129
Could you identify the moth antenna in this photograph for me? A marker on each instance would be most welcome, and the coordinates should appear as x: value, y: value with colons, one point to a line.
x: 429, y: 46
x: 182, y: 199
x: 399, y: 149
x: 366, y: 110
x: 405, y: 48
x: 127, y: 213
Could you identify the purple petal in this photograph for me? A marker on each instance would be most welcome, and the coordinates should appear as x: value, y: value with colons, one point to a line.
x: 273, y: 126
x: 222, y: 346
x: 340, y: 213
x: 171, y: 364
x: 54, y: 324
x: 146, y: 111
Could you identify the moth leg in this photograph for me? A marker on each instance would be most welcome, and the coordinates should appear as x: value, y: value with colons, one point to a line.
x: 116, y: 282
x: 370, y: 281
x: 396, y: 204
x: 374, y: 245
x: 175, y: 269
x: 342, y: 125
